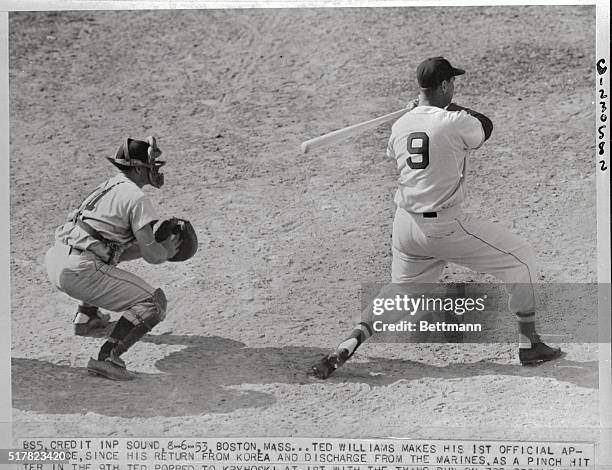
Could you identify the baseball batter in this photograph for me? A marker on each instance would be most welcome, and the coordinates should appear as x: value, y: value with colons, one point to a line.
x: 114, y: 224
x: 430, y: 144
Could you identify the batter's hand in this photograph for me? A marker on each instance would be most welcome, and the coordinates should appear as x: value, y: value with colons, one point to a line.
x: 454, y: 107
x: 412, y: 104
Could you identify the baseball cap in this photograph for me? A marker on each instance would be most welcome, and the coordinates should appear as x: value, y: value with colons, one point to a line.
x: 434, y: 71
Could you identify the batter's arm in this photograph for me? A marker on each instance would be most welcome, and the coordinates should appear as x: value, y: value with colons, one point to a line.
x: 487, y: 124
x: 390, y: 151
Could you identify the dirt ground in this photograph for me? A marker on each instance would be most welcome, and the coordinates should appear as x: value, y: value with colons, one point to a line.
x: 287, y: 239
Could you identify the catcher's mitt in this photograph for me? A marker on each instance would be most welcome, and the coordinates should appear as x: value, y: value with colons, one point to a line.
x: 186, y: 232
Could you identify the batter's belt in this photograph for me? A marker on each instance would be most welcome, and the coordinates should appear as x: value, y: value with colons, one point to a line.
x: 442, y: 213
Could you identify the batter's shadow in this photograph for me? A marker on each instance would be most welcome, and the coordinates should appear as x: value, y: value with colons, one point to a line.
x: 220, y: 375
x: 382, y: 371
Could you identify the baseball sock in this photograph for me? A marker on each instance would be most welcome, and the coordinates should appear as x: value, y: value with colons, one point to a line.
x: 359, y: 335
x: 527, y: 330
x: 85, y: 312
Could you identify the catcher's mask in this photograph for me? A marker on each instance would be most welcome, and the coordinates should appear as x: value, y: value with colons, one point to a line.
x: 136, y: 153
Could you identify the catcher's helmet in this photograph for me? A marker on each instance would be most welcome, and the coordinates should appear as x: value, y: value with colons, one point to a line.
x: 137, y: 153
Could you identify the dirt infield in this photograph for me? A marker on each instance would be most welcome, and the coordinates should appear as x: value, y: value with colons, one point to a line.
x: 287, y: 239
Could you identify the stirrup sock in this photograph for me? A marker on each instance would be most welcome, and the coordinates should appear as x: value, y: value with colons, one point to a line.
x: 358, y: 336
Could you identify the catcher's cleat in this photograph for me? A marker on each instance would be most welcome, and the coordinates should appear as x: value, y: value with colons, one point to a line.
x: 96, y: 326
x: 538, y: 352
x: 116, y: 360
x: 326, y: 366
x: 108, y: 369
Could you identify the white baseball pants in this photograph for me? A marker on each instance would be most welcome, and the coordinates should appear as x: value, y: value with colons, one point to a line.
x: 422, y: 246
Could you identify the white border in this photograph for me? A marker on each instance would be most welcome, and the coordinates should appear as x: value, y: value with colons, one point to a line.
x: 30, y: 5
x: 602, y: 49
x: 5, y: 251
x: 603, y: 179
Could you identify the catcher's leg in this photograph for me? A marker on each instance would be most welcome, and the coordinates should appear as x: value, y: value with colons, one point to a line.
x: 131, y: 327
x: 115, y: 289
x: 70, y: 272
x: 89, y: 321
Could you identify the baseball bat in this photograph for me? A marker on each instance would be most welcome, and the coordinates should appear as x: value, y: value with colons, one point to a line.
x: 336, y: 136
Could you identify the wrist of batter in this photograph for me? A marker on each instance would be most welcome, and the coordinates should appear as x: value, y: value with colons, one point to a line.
x: 456, y: 107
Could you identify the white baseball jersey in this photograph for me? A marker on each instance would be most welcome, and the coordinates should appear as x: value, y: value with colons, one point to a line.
x: 117, y: 209
x: 430, y: 145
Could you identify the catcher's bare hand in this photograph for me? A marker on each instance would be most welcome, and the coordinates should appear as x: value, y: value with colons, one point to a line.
x: 178, y: 232
x: 171, y: 245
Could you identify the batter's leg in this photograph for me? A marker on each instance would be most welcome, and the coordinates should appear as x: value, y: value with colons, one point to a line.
x: 407, y: 267
x: 488, y: 248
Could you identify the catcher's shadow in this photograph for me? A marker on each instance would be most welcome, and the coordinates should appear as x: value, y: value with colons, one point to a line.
x: 213, y: 374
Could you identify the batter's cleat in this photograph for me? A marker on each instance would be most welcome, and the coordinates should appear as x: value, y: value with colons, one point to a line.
x: 109, y: 370
x: 96, y: 326
x: 326, y: 366
x: 537, y: 353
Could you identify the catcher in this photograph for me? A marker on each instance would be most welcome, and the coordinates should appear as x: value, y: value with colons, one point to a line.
x: 115, y: 223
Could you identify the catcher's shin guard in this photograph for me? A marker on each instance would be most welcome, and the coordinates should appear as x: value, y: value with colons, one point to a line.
x: 109, y: 363
x: 126, y: 334
x: 131, y: 338
x: 134, y: 335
